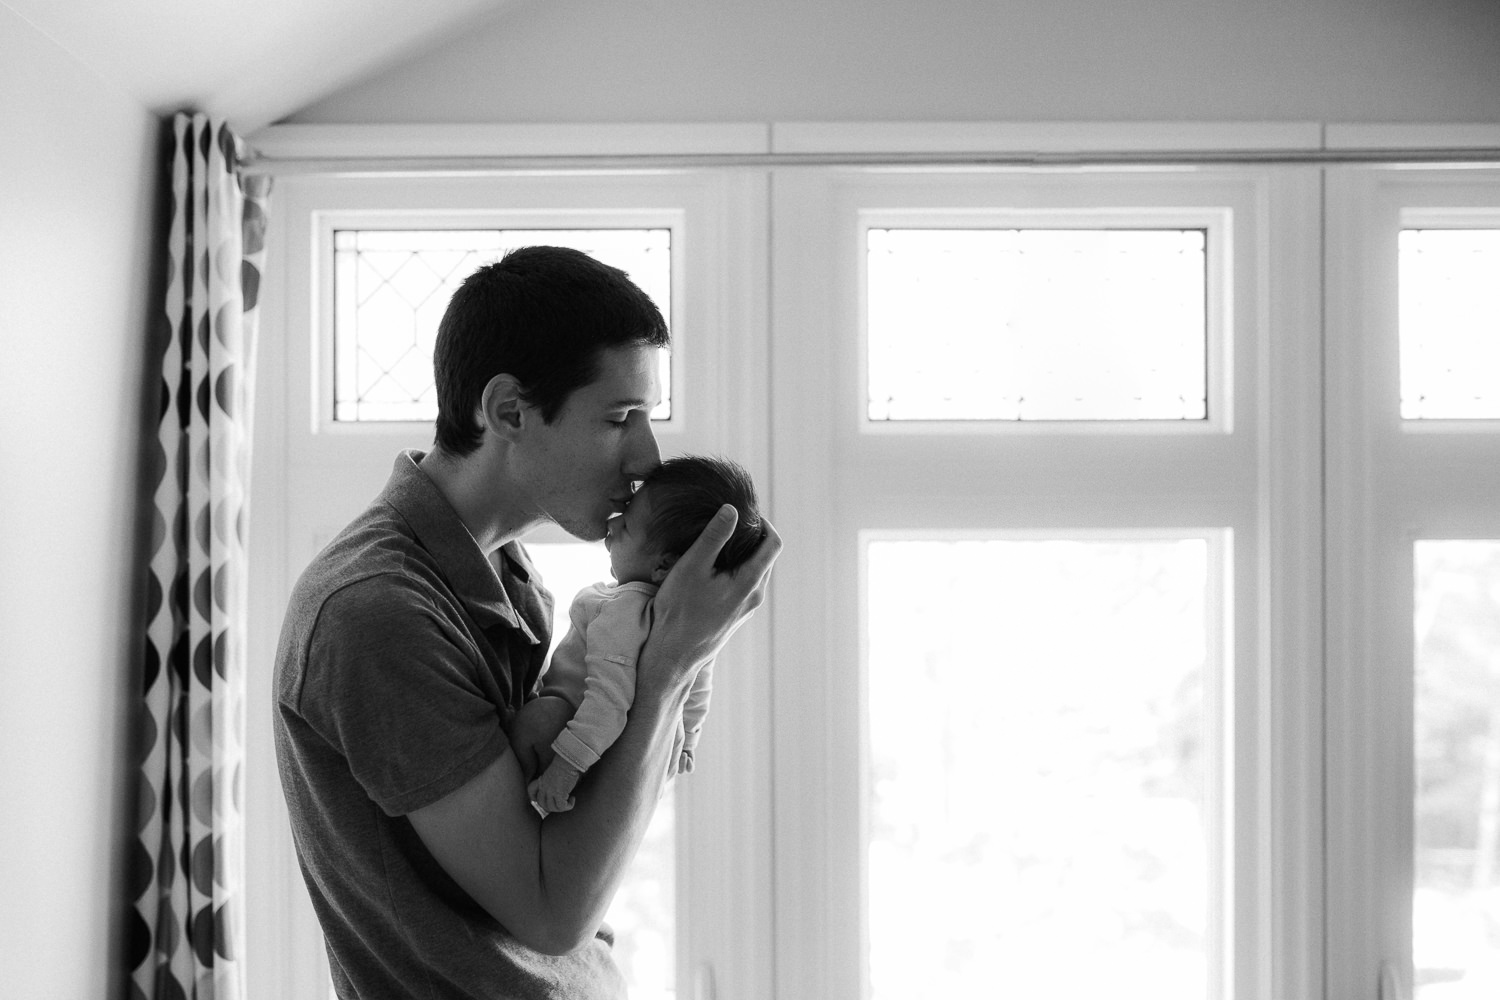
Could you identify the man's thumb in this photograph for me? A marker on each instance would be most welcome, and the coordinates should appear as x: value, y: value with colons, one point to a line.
x: 716, y: 532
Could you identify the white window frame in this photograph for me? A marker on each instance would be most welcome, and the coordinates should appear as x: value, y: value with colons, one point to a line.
x: 1254, y: 473
x: 1391, y: 482
x: 718, y: 226
x: 1327, y: 663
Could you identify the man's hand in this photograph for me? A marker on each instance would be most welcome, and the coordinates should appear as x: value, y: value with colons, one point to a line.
x: 698, y: 609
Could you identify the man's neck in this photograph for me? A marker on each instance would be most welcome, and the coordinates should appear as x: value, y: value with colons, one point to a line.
x: 473, y: 487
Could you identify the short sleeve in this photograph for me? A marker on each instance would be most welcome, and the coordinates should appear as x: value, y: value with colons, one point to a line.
x: 396, y: 687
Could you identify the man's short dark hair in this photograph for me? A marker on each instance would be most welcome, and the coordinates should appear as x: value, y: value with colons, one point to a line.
x: 542, y: 315
x: 687, y: 492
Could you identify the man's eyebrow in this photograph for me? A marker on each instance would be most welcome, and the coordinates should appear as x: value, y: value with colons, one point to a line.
x: 629, y: 403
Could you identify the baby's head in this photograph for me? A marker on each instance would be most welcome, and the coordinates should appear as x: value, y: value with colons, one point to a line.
x: 672, y: 507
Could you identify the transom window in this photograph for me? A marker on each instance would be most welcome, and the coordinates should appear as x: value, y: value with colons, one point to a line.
x: 1037, y: 324
x: 1450, y: 323
x: 392, y: 285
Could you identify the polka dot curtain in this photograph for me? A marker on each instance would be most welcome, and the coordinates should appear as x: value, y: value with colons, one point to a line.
x: 187, y: 871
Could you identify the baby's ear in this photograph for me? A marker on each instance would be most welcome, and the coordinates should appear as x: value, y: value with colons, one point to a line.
x: 663, y: 565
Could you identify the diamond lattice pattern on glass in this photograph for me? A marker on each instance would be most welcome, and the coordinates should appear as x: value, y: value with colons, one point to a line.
x: 1456, y: 899
x: 644, y: 911
x: 1450, y: 323
x: 391, y: 287
x: 1037, y: 769
x: 1037, y: 324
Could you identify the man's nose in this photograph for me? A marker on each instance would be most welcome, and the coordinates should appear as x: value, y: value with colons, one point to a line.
x: 644, y: 454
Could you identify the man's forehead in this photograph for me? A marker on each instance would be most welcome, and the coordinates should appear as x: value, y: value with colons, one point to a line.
x: 627, y: 378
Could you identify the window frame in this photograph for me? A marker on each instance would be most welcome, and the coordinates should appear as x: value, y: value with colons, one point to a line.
x: 718, y: 223
x: 845, y: 479
x: 1391, y: 482
x: 1316, y: 635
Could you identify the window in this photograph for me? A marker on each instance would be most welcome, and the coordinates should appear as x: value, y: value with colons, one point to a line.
x: 390, y: 287
x: 1137, y: 605
x: 1042, y: 496
x: 1037, y: 324
x: 1456, y: 904
x: 1024, y: 696
x: 1449, y: 323
x: 367, y: 264
x: 1414, y: 445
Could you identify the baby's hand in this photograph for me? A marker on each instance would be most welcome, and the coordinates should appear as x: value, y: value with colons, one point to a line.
x: 552, y: 792
x: 685, y: 762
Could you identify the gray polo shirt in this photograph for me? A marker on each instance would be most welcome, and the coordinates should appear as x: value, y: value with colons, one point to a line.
x: 403, y: 658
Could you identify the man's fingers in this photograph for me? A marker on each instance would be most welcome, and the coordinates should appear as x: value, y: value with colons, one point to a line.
x: 766, y: 552
x: 706, y: 548
x: 758, y: 566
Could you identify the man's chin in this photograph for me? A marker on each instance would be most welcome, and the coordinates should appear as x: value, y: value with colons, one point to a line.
x: 585, y: 532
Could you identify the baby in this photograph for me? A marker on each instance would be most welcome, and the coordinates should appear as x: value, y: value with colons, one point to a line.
x: 594, y: 666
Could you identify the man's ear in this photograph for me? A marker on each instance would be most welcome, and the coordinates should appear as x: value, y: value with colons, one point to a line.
x: 664, y: 565
x: 501, y: 408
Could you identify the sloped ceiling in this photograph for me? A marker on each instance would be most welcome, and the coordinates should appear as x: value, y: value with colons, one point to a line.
x: 248, y: 61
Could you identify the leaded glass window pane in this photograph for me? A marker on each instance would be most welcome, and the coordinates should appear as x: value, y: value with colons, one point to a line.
x: 1037, y: 324
x: 1456, y: 901
x: 392, y: 286
x: 1450, y: 323
x: 1039, y: 768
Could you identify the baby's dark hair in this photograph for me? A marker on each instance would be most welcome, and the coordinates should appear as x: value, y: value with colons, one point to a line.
x: 687, y: 491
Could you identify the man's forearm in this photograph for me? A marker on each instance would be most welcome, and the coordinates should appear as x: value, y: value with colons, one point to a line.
x: 585, y: 852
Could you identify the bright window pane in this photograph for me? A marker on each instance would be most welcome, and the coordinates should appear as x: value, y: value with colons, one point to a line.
x: 1450, y: 323
x: 1039, y: 751
x: 1456, y: 906
x: 391, y: 287
x: 644, y: 913
x: 1036, y: 324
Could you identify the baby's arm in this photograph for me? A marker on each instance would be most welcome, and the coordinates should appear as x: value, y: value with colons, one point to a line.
x: 612, y: 642
x: 693, y: 714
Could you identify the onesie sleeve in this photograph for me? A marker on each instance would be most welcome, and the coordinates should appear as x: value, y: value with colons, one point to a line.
x: 612, y: 644
x: 394, y: 688
x: 696, y: 708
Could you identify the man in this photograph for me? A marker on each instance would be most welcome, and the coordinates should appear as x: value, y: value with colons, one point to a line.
x: 413, y: 641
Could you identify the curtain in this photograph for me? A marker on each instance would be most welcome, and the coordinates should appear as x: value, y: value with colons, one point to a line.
x: 186, y: 881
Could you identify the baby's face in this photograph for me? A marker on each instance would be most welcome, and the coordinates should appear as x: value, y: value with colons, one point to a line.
x: 632, y: 558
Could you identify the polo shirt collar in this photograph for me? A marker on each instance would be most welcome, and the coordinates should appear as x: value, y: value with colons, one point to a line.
x: 483, y: 583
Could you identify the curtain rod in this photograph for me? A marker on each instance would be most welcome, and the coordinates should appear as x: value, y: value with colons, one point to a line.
x: 290, y: 166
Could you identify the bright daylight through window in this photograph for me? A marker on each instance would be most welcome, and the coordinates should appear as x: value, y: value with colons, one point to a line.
x: 1037, y: 324
x: 1041, y: 734
x: 1450, y: 323
x: 1456, y: 906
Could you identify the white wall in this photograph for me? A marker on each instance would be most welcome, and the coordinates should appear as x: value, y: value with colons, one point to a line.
x: 963, y: 60
x: 77, y: 175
